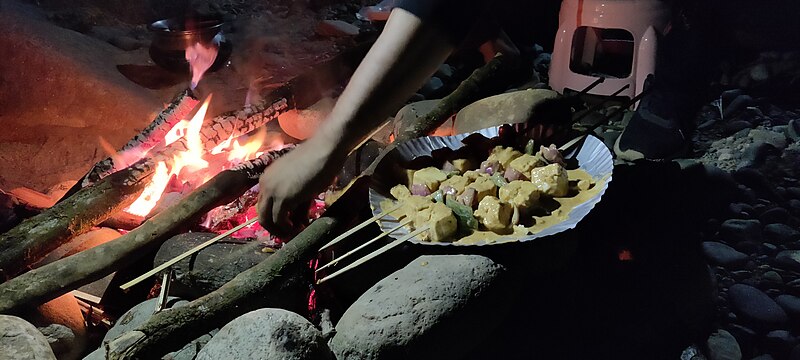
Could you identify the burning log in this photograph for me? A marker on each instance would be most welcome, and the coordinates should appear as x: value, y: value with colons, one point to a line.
x: 177, y: 109
x: 32, y: 239
x: 491, y: 79
x: 214, y: 132
x: 52, y: 280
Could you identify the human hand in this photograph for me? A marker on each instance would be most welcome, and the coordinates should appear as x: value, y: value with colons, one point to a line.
x: 287, y: 185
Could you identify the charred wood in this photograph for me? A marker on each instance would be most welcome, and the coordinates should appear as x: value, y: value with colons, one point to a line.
x: 32, y: 239
x: 52, y: 280
x: 177, y: 109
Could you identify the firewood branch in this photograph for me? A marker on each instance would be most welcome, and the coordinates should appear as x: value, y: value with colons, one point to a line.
x: 488, y: 80
x: 57, y: 278
x: 34, y: 238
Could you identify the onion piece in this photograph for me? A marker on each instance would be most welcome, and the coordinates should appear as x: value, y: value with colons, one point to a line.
x: 468, y: 197
x: 420, y: 190
x: 512, y: 174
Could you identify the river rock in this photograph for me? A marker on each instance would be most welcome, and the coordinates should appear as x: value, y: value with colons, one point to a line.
x: 432, y: 88
x: 756, y: 307
x: 19, y: 340
x: 724, y: 255
x: 509, y: 108
x: 779, y: 343
x: 776, y: 215
x: 780, y: 233
x: 422, y: 310
x: 723, y: 346
x: 211, y: 267
x: 267, y: 334
x: 62, y: 322
x: 790, y: 304
x: 737, y: 230
x: 776, y: 139
x: 789, y: 259
x: 136, y: 316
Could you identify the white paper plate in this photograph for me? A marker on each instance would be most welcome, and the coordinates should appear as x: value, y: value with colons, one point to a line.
x: 594, y: 158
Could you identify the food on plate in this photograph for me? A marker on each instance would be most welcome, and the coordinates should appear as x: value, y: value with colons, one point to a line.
x: 551, y: 179
x: 439, y: 219
x: 521, y: 194
x: 430, y: 177
x: 511, y: 195
x: 483, y: 186
x: 495, y: 215
x: 503, y: 155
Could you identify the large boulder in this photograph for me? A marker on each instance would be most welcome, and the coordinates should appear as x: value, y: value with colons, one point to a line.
x: 59, y: 91
x: 20, y: 340
x: 437, y: 307
x: 267, y: 334
x: 509, y: 108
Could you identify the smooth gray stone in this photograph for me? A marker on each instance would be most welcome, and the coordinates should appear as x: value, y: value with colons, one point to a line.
x: 267, y: 334
x: 436, y: 307
x: 20, y: 340
x: 723, y: 255
x: 756, y: 307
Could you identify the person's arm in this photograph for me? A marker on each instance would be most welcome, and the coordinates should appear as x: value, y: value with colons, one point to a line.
x: 405, y: 55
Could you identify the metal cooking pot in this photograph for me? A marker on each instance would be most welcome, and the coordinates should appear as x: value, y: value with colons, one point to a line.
x: 171, y: 37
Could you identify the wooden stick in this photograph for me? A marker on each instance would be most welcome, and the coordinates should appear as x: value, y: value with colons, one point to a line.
x: 186, y: 254
x: 163, y: 295
x: 360, y: 226
x: 373, y: 254
x: 336, y: 261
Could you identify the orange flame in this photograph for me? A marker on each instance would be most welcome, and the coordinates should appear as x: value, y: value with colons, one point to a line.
x: 152, y: 193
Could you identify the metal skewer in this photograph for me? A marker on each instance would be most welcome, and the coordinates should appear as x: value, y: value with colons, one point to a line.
x: 186, y: 254
x: 373, y: 254
x: 335, y: 261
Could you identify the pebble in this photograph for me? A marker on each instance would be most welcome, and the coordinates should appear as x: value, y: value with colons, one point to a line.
x: 736, y: 126
x: 723, y: 346
x: 737, y: 230
x: 793, y: 192
x: 776, y: 215
x: 756, y: 307
x: 432, y: 87
x: 781, y: 233
x: 795, y: 353
x: 789, y: 259
x: 745, y: 336
x: 723, y: 255
x: 794, y: 204
x: 739, y: 103
x: 793, y: 287
x: 773, y: 138
x: 763, y: 357
x: 790, y: 304
x: 741, y: 210
x: 793, y: 130
x: 445, y: 71
x: 779, y: 343
x: 772, y: 279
